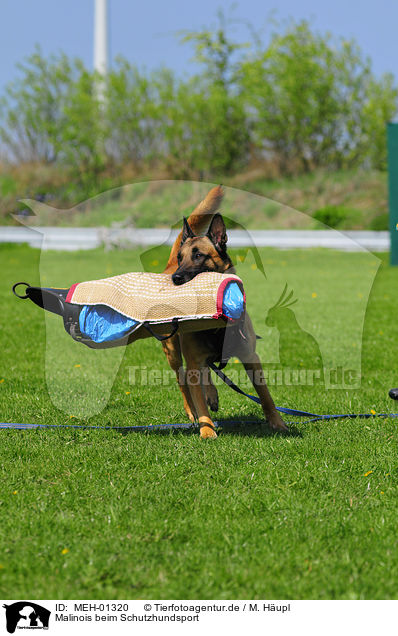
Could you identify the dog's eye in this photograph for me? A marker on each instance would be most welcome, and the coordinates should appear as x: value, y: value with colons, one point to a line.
x: 198, y: 255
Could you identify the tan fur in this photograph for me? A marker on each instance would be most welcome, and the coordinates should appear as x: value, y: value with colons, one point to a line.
x: 199, y: 219
x: 204, y: 245
x: 197, y: 396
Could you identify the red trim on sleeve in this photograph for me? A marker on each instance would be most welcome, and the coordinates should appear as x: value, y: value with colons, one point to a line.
x: 71, y: 292
x: 220, y: 297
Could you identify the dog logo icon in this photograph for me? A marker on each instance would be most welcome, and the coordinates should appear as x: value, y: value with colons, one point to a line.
x: 26, y: 615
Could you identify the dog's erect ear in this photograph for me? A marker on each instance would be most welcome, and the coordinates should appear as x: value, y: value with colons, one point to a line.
x: 217, y: 232
x: 186, y: 231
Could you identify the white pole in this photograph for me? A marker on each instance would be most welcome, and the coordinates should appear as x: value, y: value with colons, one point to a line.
x: 101, y: 37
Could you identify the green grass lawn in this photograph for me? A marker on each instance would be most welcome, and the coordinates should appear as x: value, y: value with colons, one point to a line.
x: 96, y: 514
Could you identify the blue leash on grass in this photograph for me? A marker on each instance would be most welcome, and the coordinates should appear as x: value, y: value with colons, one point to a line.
x: 159, y: 427
x: 314, y: 417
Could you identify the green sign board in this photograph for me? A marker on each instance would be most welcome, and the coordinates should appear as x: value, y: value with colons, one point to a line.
x: 392, y: 144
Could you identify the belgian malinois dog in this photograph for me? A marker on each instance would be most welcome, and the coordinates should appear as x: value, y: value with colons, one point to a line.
x: 190, y: 255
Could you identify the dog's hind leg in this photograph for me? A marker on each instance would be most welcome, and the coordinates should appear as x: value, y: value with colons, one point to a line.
x: 172, y: 349
x: 255, y: 372
x: 245, y: 350
x: 210, y: 390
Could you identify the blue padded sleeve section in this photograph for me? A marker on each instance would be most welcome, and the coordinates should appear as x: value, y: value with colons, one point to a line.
x: 103, y: 324
x: 233, y: 302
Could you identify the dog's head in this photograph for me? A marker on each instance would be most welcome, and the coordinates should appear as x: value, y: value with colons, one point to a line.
x: 199, y: 254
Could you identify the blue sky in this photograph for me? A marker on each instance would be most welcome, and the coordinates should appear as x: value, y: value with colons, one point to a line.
x: 145, y: 32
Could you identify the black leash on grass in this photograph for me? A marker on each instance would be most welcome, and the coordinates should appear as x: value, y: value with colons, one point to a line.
x: 314, y: 417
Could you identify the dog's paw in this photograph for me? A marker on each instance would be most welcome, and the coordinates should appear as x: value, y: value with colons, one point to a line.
x: 212, y: 398
x: 207, y: 432
x: 277, y: 424
x: 191, y: 416
x: 213, y: 404
x: 190, y: 411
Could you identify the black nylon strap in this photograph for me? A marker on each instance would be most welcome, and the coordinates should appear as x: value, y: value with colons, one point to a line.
x: 175, y: 324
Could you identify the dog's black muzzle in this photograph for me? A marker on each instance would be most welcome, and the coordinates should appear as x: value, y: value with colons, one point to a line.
x: 181, y: 277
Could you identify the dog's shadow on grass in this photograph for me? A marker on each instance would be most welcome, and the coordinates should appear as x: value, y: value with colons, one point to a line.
x: 253, y: 426
x: 249, y: 425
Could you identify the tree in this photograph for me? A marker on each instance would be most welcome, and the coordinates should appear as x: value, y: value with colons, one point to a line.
x: 31, y: 109
x: 132, y: 110
x: 311, y: 101
x: 379, y: 108
x: 81, y: 142
x: 289, y: 90
x: 222, y: 132
x: 51, y: 114
x: 304, y: 100
x: 216, y: 52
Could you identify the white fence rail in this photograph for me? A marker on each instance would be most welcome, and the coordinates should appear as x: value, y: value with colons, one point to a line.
x: 71, y: 239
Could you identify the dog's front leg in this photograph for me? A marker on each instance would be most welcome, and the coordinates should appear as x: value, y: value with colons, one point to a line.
x: 196, y: 380
x: 255, y: 372
x: 172, y: 349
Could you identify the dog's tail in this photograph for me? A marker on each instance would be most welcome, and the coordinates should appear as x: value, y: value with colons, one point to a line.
x: 198, y: 221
